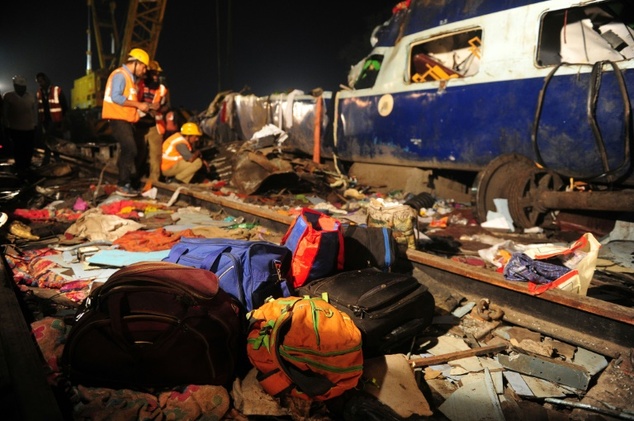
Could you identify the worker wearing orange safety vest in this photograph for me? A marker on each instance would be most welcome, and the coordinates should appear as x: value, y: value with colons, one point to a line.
x: 120, y: 107
x: 180, y: 161
x: 51, y: 103
x: 151, y: 126
x: 51, y: 110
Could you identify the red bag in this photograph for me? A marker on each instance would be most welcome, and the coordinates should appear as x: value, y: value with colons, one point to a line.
x: 316, y: 240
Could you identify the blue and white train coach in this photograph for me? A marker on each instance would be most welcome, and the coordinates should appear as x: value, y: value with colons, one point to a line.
x: 527, y: 94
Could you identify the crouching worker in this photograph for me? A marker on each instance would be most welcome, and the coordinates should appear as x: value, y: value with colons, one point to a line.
x: 179, y: 160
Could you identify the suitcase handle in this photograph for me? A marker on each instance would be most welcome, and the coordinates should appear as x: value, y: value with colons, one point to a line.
x: 211, y: 260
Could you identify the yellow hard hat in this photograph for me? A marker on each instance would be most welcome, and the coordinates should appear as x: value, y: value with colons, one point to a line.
x: 140, y: 55
x: 191, y: 129
x: 154, y: 65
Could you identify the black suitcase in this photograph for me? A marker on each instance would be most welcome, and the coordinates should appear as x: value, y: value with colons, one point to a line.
x: 389, y: 308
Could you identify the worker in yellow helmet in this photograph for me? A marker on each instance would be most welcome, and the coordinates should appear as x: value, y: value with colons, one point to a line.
x: 180, y: 161
x: 121, y: 106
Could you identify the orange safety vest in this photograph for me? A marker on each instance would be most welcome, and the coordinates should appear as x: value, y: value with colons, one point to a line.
x: 156, y: 96
x: 54, y: 104
x: 170, y: 153
x: 160, y: 95
x: 114, y: 111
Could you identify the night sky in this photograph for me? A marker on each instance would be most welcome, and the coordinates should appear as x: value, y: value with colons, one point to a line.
x: 269, y: 46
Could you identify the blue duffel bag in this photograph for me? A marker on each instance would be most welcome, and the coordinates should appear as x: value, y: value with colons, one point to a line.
x: 251, y: 271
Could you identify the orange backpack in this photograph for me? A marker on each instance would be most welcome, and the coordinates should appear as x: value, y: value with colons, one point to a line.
x: 304, y: 346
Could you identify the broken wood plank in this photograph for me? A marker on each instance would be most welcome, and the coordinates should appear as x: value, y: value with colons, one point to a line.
x: 437, y: 359
x: 543, y: 388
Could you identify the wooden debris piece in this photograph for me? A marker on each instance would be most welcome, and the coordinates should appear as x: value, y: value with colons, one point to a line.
x: 437, y: 359
x: 542, y: 388
x: 517, y: 333
x: 391, y: 380
x: 562, y: 349
x: 478, y: 328
x: 498, y: 381
x: 465, y: 365
x: 545, y: 349
x: 491, y: 364
x: 446, y: 344
x: 442, y: 387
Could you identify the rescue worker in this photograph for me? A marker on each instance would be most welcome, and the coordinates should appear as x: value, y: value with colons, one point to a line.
x: 151, y: 126
x: 51, y: 110
x: 180, y: 160
x: 19, y: 113
x: 121, y: 106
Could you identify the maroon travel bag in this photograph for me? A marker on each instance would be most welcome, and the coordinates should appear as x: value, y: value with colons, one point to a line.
x: 156, y: 324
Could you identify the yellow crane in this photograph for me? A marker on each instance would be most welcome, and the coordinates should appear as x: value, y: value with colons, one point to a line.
x: 143, y: 23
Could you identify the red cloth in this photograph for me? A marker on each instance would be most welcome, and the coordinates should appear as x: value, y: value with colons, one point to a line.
x: 34, y: 214
x: 127, y: 208
x: 46, y: 215
x: 159, y: 239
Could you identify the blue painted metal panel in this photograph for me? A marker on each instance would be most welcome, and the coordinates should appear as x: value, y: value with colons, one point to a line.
x: 465, y: 127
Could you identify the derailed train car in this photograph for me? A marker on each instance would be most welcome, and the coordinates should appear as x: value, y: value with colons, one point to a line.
x: 527, y: 94
x: 528, y: 99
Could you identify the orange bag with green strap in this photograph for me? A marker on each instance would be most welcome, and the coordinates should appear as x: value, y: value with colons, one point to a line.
x: 305, y: 347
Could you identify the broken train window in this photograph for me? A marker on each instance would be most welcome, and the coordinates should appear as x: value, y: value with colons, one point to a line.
x: 369, y: 71
x: 446, y: 57
x: 597, y: 32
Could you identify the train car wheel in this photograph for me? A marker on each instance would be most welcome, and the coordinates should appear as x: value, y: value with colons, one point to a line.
x: 524, y: 191
x: 495, y: 180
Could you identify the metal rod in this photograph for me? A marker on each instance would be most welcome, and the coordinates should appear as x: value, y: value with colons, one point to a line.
x: 611, y: 412
x: 594, y: 200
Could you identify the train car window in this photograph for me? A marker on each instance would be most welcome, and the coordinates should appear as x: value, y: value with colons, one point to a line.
x: 600, y: 31
x: 369, y: 72
x: 448, y: 57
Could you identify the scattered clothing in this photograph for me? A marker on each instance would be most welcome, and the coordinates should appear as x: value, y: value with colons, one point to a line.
x: 94, y: 225
x: 159, y: 239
